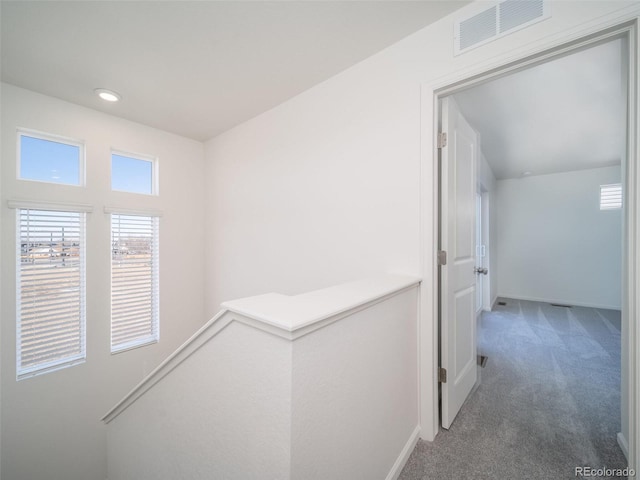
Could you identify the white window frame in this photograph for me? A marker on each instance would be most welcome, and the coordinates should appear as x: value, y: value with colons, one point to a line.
x: 155, y: 184
x: 155, y: 280
x: 82, y: 210
x: 24, y: 132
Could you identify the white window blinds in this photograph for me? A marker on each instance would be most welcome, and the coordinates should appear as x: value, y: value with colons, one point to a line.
x: 50, y: 290
x: 134, y: 281
x: 611, y: 196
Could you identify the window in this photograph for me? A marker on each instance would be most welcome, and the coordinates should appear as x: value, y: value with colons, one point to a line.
x: 134, y: 281
x: 611, y: 196
x: 45, y: 158
x: 132, y: 174
x: 50, y: 290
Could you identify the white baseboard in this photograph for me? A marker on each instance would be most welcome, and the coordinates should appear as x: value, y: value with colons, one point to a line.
x: 400, y: 462
x: 555, y: 300
x: 624, y: 446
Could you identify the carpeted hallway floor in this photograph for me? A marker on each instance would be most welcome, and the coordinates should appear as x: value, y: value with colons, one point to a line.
x: 549, y: 399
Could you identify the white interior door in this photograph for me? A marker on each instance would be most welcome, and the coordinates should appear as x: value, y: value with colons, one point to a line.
x: 458, y: 279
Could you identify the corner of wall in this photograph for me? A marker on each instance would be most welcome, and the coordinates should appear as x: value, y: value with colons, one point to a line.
x: 624, y: 446
x: 401, y: 461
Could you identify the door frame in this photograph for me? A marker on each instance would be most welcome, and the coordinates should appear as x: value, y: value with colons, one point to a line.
x: 429, y: 334
x: 488, y: 293
x: 480, y: 279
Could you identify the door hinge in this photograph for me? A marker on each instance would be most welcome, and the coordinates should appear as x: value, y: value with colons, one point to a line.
x: 442, y: 257
x: 442, y: 139
x: 442, y: 375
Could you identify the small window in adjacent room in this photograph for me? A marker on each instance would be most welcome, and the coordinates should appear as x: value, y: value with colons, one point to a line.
x: 47, y: 158
x: 50, y: 290
x: 134, y: 281
x: 611, y: 196
x: 133, y: 174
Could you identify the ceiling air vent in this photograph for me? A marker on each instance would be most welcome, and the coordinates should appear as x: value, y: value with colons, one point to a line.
x: 479, y: 28
x: 497, y: 21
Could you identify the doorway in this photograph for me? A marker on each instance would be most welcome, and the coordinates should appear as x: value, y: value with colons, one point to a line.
x: 629, y: 177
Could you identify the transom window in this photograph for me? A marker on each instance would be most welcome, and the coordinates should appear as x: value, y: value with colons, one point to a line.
x: 133, y: 173
x: 51, y: 159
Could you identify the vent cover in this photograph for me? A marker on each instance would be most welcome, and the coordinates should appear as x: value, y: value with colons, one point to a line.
x: 611, y: 196
x: 478, y: 28
x: 497, y: 21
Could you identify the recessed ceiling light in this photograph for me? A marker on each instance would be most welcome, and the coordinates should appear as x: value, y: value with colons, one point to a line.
x: 108, y: 95
x: 526, y: 173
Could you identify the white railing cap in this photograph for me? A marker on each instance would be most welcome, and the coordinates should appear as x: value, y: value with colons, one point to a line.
x: 292, y: 313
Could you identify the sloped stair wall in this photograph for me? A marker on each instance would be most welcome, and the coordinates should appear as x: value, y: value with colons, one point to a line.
x: 316, y: 386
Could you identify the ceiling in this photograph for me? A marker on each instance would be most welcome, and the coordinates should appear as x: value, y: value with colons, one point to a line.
x: 196, y: 68
x: 564, y: 115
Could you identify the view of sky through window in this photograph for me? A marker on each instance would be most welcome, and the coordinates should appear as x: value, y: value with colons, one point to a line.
x: 49, y: 161
x: 131, y: 174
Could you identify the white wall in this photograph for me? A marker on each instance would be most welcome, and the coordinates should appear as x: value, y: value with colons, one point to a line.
x: 355, y: 394
x: 51, y: 428
x: 486, y: 178
x: 493, y: 246
x: 321, y: 386
x: 224, y: 413
x: 315, y: 192
x: 555, y: 244
x: 2, y: 268
x: 327, y: 186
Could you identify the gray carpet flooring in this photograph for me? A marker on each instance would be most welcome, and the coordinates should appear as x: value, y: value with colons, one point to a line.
x: 549, y: 399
